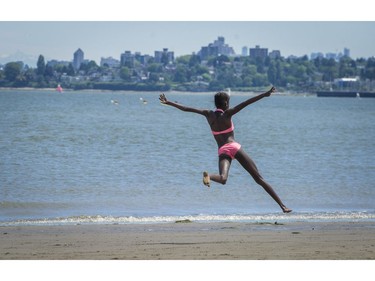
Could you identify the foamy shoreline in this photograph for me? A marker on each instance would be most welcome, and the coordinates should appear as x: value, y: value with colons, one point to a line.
x: 261, y: 218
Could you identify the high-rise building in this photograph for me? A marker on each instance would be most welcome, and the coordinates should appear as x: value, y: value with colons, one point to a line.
x: 110, y: 62
x: 346, y: 52
x: 78, y: 59
x: 164, y: 56
x: 218, y: 47
x: 258, y: 52
x: 245, y: 51
x: 274, y: 54
x: 316, y: 55
x: 127, y: 59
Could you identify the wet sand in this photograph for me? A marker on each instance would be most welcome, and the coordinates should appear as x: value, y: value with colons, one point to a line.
x: 191, y: 241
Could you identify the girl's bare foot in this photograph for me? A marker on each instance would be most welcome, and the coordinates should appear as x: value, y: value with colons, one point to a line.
x: 206, y: 179
x: 286, y: 210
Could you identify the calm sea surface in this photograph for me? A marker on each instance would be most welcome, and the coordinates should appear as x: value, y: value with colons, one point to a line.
x: 77, y: 157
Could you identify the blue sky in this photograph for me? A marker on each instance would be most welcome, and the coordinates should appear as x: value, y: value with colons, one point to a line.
x: 100, y: 37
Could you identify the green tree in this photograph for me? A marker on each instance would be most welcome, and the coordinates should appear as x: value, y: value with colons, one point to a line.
x: 12, y: 70
x: 347, y: 67
x: 30, y: 75
x: 20, y: 81
x: 220, y: 61
x: 226, y: 75
x: 88, y: 67
x: 280, y: 73
x: 70, y: 70
x: 369, y: 71
x: 200, y: 69
x: 125, y: 73
x: 249, y: 70
x: 328, y: 68
x: 180, y: 75
x: 206, y: 77
x: 260, y: 65
x: 194, y: 61
x: 164, y: 59
x: 49, y: 71
x: 216, y: 85
x: 41, y: 65
x: 183, y: 59
x: 155, y: 67
x: 260, y: 80
x: 154, y: 78
x: 271, y: 73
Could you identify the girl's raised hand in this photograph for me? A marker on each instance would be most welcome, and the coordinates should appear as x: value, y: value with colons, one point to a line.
x: 272, y: 90
x: 163, y: 99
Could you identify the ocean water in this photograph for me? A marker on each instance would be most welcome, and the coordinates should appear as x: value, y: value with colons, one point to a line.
x: 77, y: 157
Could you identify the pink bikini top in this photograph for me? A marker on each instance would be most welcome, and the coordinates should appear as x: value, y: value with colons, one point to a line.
x: 224, y: 131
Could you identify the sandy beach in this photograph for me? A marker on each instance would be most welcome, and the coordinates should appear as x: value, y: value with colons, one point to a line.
x: 191, y: 241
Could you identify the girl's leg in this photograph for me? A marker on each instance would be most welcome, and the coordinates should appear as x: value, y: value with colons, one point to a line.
x: 250, y: 166
x: 224, y: 165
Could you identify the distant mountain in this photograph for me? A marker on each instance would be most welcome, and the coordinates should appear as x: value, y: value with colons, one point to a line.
x: 30, y: 60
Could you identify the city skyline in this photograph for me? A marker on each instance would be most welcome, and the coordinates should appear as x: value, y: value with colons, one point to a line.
x: 59, y: 40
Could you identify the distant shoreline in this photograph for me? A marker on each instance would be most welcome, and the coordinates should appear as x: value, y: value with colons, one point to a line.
x: 26, y: 89
x: 235, y: 93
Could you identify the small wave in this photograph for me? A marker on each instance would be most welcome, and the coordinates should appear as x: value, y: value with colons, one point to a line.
x: 336, y: 216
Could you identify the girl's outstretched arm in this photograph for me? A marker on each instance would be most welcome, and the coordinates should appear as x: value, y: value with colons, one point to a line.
x: 163, y: 99
x: 242, y: 105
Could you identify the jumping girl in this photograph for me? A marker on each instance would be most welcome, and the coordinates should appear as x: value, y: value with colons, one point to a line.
x: 222, y: 128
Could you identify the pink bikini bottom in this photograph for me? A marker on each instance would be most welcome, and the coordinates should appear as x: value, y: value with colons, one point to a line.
x: 229, y: 149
